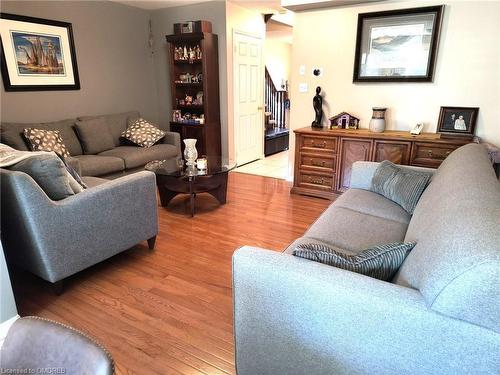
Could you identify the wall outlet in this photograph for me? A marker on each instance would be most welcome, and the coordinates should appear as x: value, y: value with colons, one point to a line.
x: 303, y: 87
x: 302, y: 70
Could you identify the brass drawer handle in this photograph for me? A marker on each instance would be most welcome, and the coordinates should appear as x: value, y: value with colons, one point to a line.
x: 429, y: 153
x: 320, y: 181
x: 320, y: 145
x: 313, y: 163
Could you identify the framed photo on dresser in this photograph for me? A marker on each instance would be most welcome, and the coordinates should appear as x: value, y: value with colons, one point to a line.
x: 457, y: 121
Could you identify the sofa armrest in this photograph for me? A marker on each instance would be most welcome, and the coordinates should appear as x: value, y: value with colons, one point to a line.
x: 173, y: 138
x: 294, y: 316
x: 362, y: 173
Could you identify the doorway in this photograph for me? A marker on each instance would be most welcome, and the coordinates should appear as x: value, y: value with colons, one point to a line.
x: 248, y: 89
x: 276, y: 120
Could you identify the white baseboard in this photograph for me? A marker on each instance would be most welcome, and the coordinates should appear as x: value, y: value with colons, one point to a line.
x: 4, y: 328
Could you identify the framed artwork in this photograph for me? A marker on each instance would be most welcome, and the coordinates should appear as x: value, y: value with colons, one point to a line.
x: 37, y: 54
x: 457, y: 120
x: 397, y: 45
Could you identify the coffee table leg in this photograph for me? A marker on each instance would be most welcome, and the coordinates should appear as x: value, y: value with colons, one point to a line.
x: 220, y: 192
x: 192, y: 195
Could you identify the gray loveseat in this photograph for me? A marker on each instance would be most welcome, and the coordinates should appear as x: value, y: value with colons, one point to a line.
x: 115, y: 162
x: 439, y: 315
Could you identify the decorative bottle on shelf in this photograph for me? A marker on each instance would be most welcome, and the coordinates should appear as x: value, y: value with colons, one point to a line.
x: 377, y: 123
x: 190, y: 152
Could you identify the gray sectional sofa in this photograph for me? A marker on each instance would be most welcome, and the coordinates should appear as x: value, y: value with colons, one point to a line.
x: 439, y: 315
x: 120, y: 160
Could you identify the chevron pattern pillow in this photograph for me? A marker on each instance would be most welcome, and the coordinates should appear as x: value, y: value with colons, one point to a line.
x: 380, y: 262
x: 401, y: 185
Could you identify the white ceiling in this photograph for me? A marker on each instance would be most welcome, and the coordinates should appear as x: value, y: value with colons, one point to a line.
x: 263, y: 6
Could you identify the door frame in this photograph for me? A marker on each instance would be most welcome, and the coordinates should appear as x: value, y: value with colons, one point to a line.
x: 261, y: 92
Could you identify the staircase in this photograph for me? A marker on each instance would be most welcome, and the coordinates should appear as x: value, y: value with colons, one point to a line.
x: 276, y: 104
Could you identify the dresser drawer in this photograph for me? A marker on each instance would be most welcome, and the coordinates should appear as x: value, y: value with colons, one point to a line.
x: 430, y: 154
x: 316, y: 181
x: 314, y: 143
x: 317, y: 162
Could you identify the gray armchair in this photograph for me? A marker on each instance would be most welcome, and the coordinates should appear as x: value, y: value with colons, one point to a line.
x: 56, y: 239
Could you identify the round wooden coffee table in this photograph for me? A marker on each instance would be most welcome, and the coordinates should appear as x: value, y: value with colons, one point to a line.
x: 171, y: 180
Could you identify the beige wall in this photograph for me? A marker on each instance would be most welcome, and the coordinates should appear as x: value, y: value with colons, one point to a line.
x: 163, y: 24
x: 278, y: 59
x: 467, y: 69
x: 114, y: 62
x: 243, y: 20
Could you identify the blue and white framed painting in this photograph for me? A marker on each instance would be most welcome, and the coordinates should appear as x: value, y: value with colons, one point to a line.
x: 37, y: 54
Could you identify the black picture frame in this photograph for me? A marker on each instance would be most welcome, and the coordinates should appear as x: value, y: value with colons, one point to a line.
x: 66, y: 27
x: 457, y: 121
x: 389, y: 19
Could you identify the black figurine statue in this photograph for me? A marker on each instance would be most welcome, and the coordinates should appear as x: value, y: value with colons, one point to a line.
x: 318, y: 109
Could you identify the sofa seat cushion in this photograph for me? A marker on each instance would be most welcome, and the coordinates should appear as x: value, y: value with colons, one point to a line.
x: 354, y: 231
x: 12, y: 134
x: 116, y: 122
x: 135, y: 156
x: 94, y: 181
x: 374, y: 204
x: 95, y: 165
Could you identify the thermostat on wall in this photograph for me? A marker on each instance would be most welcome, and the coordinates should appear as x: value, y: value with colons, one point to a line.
x: 317, y: 72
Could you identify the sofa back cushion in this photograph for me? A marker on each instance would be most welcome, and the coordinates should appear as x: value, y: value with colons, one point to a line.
x: 456, y: 262
x: 94, y: 135
x: 12, y: 134
x: 117, y: 123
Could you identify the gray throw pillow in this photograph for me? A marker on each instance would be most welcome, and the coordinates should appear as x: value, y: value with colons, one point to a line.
x: 49, y: 173
x: 401, y: 185
x: 94, y: 135
x: 381, y: 262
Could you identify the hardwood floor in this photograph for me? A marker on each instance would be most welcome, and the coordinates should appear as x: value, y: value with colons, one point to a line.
x: 169, y: 311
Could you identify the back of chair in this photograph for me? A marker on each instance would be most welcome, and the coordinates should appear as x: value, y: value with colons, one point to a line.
x: 20, y: 196
x: 38, y: 345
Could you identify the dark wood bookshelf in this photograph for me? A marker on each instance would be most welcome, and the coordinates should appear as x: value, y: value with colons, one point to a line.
x: 208, y: 135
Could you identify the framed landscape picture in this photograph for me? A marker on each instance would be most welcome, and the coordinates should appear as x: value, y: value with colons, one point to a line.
x: 397, y: 45
x: 37, y: 54
x: 457, y: 120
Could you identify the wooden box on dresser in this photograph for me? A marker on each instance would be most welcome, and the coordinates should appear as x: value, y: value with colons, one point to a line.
x: 324, y: 157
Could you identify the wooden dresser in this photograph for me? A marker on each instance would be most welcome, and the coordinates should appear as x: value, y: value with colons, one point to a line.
x: 323, y: 157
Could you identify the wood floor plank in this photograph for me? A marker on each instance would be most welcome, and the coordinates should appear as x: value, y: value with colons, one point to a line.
x: 169, y: 311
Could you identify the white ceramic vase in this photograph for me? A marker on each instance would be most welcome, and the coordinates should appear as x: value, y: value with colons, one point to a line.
x: 190, y: 153
x: 377, y: 123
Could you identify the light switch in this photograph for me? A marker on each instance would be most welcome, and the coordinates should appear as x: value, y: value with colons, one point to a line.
x: 303, y: 87
x: 302, y: 70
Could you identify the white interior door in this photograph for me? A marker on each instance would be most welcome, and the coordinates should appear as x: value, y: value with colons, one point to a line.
x: 248, y: 97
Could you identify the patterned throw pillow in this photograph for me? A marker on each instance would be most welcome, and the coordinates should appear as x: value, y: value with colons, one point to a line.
x: 142, y: 133
x: 381, y: 262
x: 401, y: 185
x: 46, y: 140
